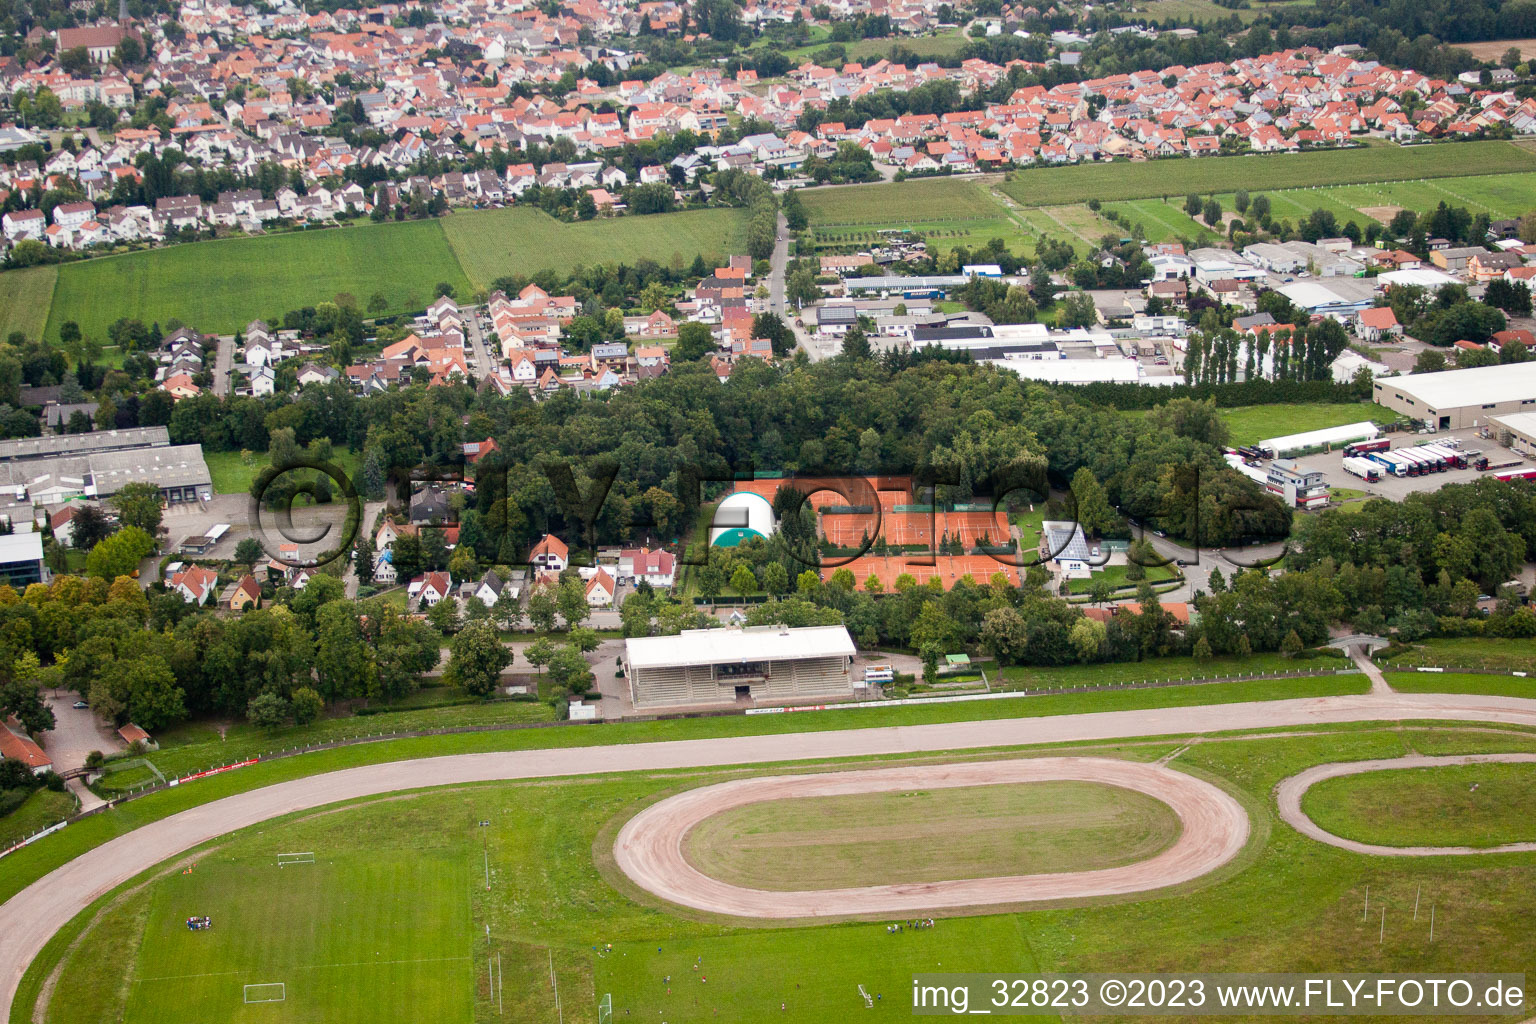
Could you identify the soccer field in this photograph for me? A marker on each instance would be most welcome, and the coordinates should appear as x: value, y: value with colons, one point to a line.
x: 359, y: 935
x: 395, y: 922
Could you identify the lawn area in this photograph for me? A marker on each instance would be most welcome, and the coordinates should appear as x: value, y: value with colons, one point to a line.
x: 1250, y: 424
x: 1458, y: 805
x: 1117, y: 673
x: 25, y: 296
x: 1117, y: 577
x: 400, y: 878
x: 518, y: 240
x: 1506, y: 655
x: 1162, y: 221
x: 220, y: 286
x: 1056, y: 186
x: 43, y: 808
x: 970, y: 832
x: 1462, y: 682
x: 232, y: 475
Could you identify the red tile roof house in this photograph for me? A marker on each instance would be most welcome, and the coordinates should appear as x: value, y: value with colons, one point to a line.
x: 132, y: 734
x: 1377, y: 322
x: 550, y: 554
x: 194, y: 584
x: 17, y: 745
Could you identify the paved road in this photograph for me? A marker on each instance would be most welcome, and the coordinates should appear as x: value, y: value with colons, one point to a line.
x: 33, y: 916
x: 649, y: 848
x: 780, y: 260
x: 1289, y: 793
x: 223, y: 362
x: 483, y: 362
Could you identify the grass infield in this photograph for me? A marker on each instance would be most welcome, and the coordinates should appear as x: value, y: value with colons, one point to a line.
x: 893, y: 838
x: 1462, y: 805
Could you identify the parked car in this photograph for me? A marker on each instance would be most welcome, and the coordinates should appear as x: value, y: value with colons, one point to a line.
x: 80, y: 705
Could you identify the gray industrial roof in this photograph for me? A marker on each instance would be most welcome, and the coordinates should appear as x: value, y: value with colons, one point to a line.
x: 80, y: 444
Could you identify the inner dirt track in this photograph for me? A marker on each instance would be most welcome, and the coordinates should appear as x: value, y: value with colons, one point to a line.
x: 1289, y: 792
x: 649, y: 848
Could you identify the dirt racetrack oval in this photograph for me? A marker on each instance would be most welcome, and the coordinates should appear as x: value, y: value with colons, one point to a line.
x: 649, y: 847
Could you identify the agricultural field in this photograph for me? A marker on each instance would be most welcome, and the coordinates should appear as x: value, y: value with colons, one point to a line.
x: 1207, y: 10
x: 222, y: 285
x: 1493, y: 49
x: 1460, y: 805
x: 1114, y: 182
x: 949, y: 211
x: 413, y: 900
x: 25, y: 296
x: 493, y: 243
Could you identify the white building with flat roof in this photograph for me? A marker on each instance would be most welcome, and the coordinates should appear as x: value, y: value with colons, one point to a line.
x: 739, y: 665
x: 1453, y: 399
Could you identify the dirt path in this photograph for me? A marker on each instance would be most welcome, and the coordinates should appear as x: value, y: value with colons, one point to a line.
x: 649, y: 848
x: 1289, y: 792
x: 30, y: 919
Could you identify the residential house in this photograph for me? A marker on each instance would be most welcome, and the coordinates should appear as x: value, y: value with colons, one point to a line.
x: 195, y: 584
x: 550, y: 554
x: 242, y: 594
x: 600, y: 589
x: 1377, y: 323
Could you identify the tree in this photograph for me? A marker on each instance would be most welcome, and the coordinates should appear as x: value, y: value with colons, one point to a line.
x: 1202, y: 650
x: 306, y: 705
x: 478, y: 659
x: 138, y: 504
x: 1211, y: 212
x: 1004, y: 635
x: 775, y: 578
x: 1094, y: 513
x: 120, y: 554
x: 89, y: 527
x: 1291, y: 645
x: 539, y: 652
x: 1087, y: 639
x: 856, y: 344
x: 772, y: 327
x: 571, y: 597
x: 267, y: 710
x: 22, y: 697
x: 1192, y: 204
x: 1429, y: 361
x: 568, y: 669
x: 694, y: 342
x: 444, y: 616
x: 1077, y: 310
x: 248, y: 551
x: 743, y: 581
x: 583, y: 639
x: 1240, y: 200
x: 542, y: 608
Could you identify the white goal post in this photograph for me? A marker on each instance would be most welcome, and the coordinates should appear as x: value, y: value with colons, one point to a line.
x: 307, y: 857
x: 267, y: 992
x: 605, y: 1009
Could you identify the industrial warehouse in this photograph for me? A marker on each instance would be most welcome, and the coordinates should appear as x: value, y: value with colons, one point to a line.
x: 56, y: 468
x: 1456, y: 399
x: 739, y: 665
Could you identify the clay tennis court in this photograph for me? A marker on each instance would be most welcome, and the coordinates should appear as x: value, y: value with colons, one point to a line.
x: 649, y: 848
x: 947, y: 569
x: 927, y: 528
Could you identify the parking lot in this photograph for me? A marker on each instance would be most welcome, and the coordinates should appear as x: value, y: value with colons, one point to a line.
x: 1330, y: 464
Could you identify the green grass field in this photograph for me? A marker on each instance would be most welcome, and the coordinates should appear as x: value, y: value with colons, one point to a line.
x: 1207, y: 10
x: 928, y: 836
x: 402, y: 878
x: 231, y: 474
x: 1462, y: 682
x: 1253, y: 423
x: 1115, y: 182
x: 1461, y: 805
x: 1505, y: 655
x: 25, y: 296
x: 43, y: 808
x: 222, y: 285
x: 492, y: 243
